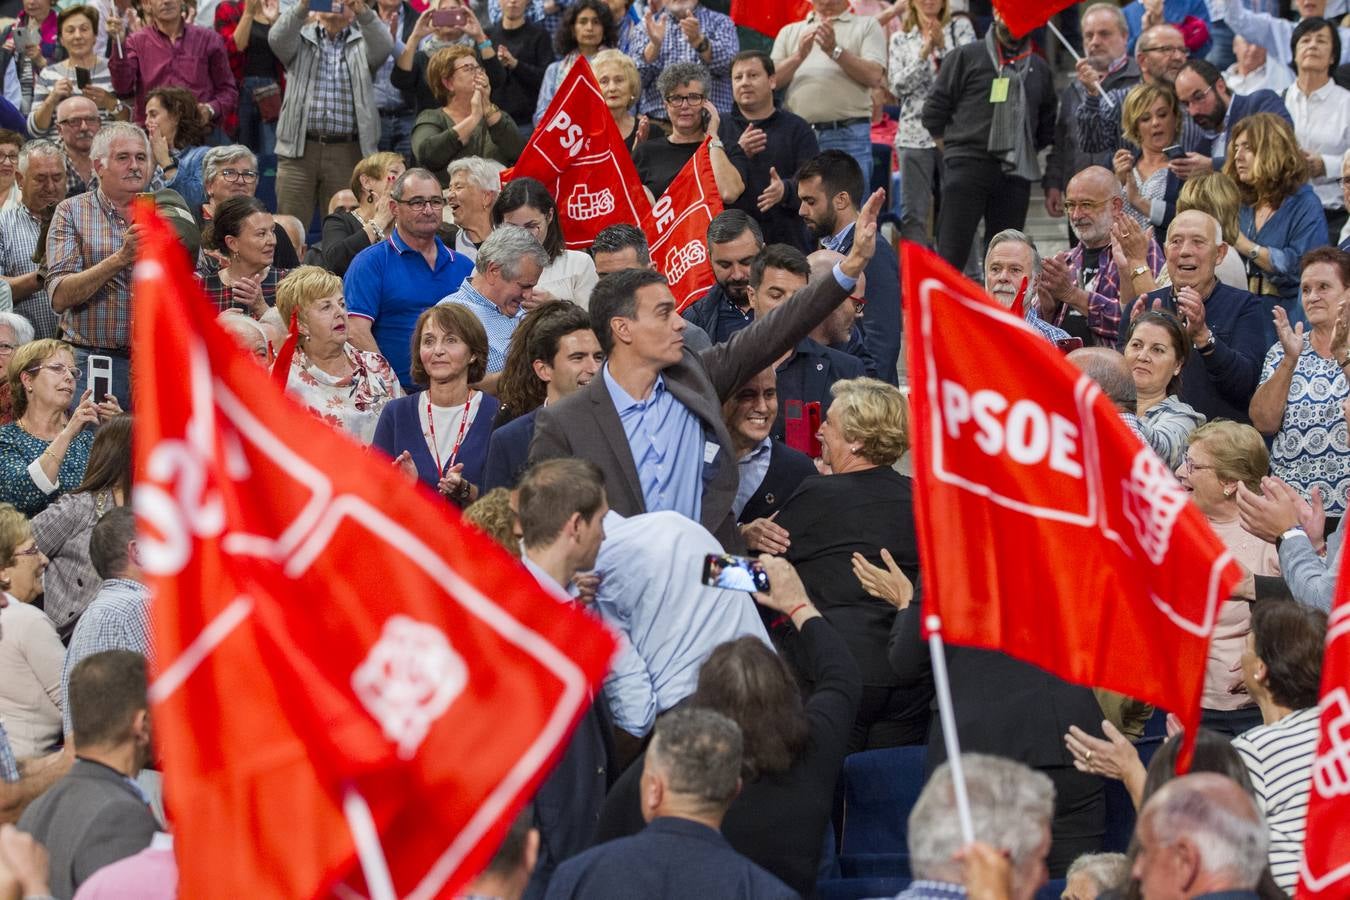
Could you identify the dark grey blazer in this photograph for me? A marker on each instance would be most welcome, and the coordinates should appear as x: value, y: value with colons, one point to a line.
x: 89, y: 819
x: 587, y: 425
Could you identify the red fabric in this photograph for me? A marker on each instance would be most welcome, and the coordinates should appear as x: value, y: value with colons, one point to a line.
x: 1021, y: 464
x: 766, y: 17
x: 579, y: 155
x: 322, y: 624
x: 1023, y: 16
x: 679, y: 227
x: 1326, y: 848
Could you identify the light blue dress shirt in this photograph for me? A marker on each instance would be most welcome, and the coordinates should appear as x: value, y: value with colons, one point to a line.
x: 668, y: 447
x: 499, y: 327
x: 753, y: 467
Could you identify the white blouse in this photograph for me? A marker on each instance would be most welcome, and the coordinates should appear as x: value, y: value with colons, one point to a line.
x: 570, y: 277
x: 1322, y: 126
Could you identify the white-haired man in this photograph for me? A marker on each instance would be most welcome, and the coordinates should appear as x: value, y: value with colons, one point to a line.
x: 42, y: 181
x: 1012, y: 257
x: 91, y: 247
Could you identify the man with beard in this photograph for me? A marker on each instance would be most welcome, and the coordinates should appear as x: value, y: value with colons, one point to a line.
x: 1205, y: 96
x: 1160, y: 53
x: 830, y: 188
x: 1081, y: 291
x: 42, y: 180
x: 1013, y: 257
x: 991, y: 109
x: 734, y: 240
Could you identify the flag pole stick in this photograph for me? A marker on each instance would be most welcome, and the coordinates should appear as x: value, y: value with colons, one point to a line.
x: 948, y: 717
x: 1106, y: 98
x: 369, y: 851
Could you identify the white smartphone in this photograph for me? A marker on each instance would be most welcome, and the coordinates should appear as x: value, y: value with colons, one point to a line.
x: 100, y: 377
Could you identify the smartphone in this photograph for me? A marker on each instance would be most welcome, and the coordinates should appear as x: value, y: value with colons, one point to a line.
x: 1069, y: 344
x: 1174, y: 152
x: 321, y: 6
x: 734, y: 573
x: 20, y: 38
x: 454, y: 17
x: 706, y: 118
x: 82, y: 77
x: 100, y: 377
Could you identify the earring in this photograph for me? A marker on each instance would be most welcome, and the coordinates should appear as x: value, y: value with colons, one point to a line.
x: 370, y: 196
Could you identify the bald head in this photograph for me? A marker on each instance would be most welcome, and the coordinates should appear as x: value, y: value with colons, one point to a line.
x: 295, y: 230
x: 1108, y: 368
x: 1161, y: 52
x: 76, y: 124
x: 247, y: 333
x: 1092, y: 201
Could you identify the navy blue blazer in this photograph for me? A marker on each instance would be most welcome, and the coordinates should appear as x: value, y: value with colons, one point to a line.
x: 1220, y: 385
x: 399, y: 429
x: 807, y: 377
x: 787, y: 469
x: 508, y: 452
x: 670, y: 858
x: 881, y: 325
x: 1240, y: 106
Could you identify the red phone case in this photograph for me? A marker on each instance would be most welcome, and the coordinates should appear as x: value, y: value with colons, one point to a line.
x: 801, y: 421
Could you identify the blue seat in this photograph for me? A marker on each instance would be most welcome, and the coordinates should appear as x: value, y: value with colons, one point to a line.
x: 859, y: 888
x: 880, y: 787
x: 1051, y: 889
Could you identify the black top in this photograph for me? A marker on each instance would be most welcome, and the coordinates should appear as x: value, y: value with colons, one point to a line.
x: 878, y: 511
x: 533, y: 50
x: 791, y: 142
x: 658, y: 161
x: 779, y: 819
x: 343, y: 238
x: 259, y: 61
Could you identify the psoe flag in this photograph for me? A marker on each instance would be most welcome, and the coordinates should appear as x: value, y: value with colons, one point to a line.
x: 579, y: 155
x: 1025, y: 16
x: 679, y: 228
x: 1047, y: 530
x: 1325, y: 871
x: 335, y: 648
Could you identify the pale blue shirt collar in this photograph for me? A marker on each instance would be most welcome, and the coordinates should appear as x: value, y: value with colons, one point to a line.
x: 622, y: 399
x: 546, y: 581
x: 833, y: 241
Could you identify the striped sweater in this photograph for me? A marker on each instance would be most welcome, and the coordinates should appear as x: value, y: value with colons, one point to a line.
x: 1279, y: 759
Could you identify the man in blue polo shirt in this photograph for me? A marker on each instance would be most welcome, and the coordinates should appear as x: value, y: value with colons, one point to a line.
x: 506, y: 269
x: 389, y: 284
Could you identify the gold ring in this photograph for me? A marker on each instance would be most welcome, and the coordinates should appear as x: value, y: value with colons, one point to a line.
x: 1088, y: 758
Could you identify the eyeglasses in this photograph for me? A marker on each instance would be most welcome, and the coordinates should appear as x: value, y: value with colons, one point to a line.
x: 858, y: 300
x: 60, y: 370
x: 466, y: 67
x: 91, y: 121
x: 1190, y: 101
x: 6, y: 348
x: 9, y: 157
x: 420, y: 203
x: 1190, y: 465
x: 686, y: 99
x: 1170, y: 51
x: 247, y: 176
x: 1087, y: 206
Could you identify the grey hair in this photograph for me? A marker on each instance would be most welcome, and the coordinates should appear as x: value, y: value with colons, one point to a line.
x: 484, y: 174
x: 216, y: 158
x: 397, y: 190
x: 1017, y: 237
x: 699, y: 752
x: 680, y: 73
x: 1228, y: 842
x: 103, y: 141
x: 508, y: 246
x: 730, y: 224
x: 1008, y: 803
x: 22, y: 328
x: 1107, y: 870
x: 42, y: 148
x: 617, y: 238
x: 1107, y: 367
x: 1115, y: 11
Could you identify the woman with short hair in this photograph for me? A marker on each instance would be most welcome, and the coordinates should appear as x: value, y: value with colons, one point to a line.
x: 1281, y: 218
x: 345, y: 387
x: 864, y: 433
x: 77, y: 29
x: 467, y: 122
x: 347, y: 233
x: 570, y: 274
x: 31, y: 655
x: 621, y: 86
x: 440, y: 434
x: 1150, y: 118
x: 1320, y: 109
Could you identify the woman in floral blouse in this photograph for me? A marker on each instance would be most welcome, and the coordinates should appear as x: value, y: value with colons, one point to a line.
x: 927, y: 35
x: 344, y: 386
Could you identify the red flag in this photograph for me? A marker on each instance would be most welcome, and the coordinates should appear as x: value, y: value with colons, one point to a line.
x: 1025, y: 16
x: 679, y: 229
x: 578, y: 153
x: 768, y: 18
x: 1325, y: 871
x: 336, y: 650
x: 1021, y: 464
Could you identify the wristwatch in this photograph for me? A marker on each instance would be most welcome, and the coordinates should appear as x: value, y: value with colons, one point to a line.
x: 702, y: 45
x: 1208, y: 345
x: 836, y: 52
x: 1255, y: 251
x: 1296, y: 530
x: 716, y: 144
x: 1139, y: 270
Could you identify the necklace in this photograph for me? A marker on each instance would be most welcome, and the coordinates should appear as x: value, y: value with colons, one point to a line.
x: 32, y: 433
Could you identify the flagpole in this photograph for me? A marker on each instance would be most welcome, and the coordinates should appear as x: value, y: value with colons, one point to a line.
x: 369, y: 851
x: 948, y: 719
x: 1106, y: 98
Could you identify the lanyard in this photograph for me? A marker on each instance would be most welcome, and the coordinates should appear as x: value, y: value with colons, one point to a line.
x: 459, y: 439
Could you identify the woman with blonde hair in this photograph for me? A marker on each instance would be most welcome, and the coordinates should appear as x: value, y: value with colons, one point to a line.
x: 346, y: 387
x: 866, y: 430
x: 1281, y: 218
x: 1150, y: 118
x: 621, y: 86
x: 31, y: 655
x: 467, y: 123
x: 1217, y: 194
x: 1220, y: 456
x: 345, y: 233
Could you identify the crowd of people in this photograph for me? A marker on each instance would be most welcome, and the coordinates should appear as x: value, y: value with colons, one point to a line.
x: 340, y: 169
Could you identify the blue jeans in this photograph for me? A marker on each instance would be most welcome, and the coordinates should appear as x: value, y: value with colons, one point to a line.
x: 396, y: 133
x: 254, y: 133
x: 121, y: 376
x: 856, y: 141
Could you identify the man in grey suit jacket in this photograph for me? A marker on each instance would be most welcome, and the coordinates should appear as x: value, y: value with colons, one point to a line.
x: 96, y: 814
x: 667, y: 447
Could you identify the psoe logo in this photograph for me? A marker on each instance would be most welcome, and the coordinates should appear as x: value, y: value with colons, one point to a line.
x: 1153, y: 501
x: 408, y: 679
x: 583, y: 205
x: 681, y: 259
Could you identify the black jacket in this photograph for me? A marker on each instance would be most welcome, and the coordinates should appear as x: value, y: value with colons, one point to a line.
x: 533, y: 50
x: 881, y: 322
x: 807, y: 376
x: 791, y: 142
x: 787, y: 469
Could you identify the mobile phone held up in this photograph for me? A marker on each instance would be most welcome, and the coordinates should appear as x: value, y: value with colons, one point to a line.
x: 100, y: 377
x: 734, y: 573
x: 82, y: 77
x: 454, y: 17
x: 1174, y: 152
x: 325, y: 6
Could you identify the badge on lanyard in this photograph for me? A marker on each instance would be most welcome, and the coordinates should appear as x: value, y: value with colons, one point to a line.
x: 998, y: 91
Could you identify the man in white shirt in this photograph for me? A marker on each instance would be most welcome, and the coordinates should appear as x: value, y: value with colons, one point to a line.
x: 1254, y: 70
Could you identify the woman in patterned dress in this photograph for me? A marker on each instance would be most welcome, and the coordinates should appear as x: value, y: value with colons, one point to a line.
x: 345, y: 387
